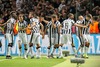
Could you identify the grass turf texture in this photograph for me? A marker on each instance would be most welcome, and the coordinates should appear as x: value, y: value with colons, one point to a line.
x: 20, y: 62
x: 93, y: 61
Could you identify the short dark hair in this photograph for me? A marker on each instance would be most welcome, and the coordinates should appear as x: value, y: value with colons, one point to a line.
x: 12, y: 13
x: 89, y: 15
x: 54, y: 16
x: 95, y: 18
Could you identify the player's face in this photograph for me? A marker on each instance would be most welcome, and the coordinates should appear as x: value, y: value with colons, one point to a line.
x: 14, y: 15
x: 81, y: 18
x: 30, y: 15
x: 21, y: 18
x: 56, y: 18
x: 87, y: 18
x: 40, y: 19
x: 53, y: 19
x: 72, y: 17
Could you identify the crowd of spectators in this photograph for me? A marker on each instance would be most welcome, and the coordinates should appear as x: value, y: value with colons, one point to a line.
x: 46, y: 8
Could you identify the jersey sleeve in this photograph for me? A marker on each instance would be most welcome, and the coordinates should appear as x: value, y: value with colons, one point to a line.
x: 48, y: 25
x: 58, y: 24
x: 12, y: 21
x: 73, y: 22
x: 25, y: 23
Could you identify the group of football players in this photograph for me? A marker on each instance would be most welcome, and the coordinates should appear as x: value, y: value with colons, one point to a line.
x: 59, y: 33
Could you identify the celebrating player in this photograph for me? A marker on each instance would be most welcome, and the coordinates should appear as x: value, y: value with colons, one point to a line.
x: 86, y: 34
x: 22, y: 24
x: 80, y: 34
x: 67, y: 32
x: 53, y: 34
x: 9, y: 33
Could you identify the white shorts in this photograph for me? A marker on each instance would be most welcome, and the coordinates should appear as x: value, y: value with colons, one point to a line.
x: 66, y: 38
x: 60, y: 41
x: 86, y: 37
x: 9, y: 37
x: 55, y: 39
x: 36, y: 38
x: 28, y: 38
x: 22, y: 38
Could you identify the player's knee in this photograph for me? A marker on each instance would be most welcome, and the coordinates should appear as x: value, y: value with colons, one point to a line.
x: 20, y: 47
x: 30, y: 44
x: 38, y: 46
x: 25, y: 45
x: 10, y: 44
x: 82, y: 45
x: 73, y: 45
x: 48, y: 47
x: 61, y: 45
x: 25, y: 48
x: 87, y: 44
x: 56, y: 46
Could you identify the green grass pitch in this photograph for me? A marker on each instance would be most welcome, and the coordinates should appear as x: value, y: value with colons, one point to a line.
x: 93, y: 61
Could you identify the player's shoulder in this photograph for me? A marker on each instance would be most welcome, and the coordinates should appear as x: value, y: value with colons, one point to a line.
x: 25, y: 21
x: 58, y: 22
x: 90, y: 20
x: 65, y: 20
x: 50, y: 22
x: 78, y: 21
x: 12, y: 20
x: 36, y: 20
x: 32, y: 19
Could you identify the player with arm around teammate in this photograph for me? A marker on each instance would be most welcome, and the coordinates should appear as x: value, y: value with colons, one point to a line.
x: 67, y: 32
x: 9, y: 32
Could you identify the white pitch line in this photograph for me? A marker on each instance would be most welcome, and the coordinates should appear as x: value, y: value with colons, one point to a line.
x: 8, y: 59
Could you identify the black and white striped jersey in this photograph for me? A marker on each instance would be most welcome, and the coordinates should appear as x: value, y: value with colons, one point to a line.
x: 50, y: 28
x: 32, y: 20
x: 36, y: 28
x: 22, y: 25
x: 67, y: 26
x: 86, y: 30
x: 78, y: 29
x: 57, y: 23
x: 10, y: 25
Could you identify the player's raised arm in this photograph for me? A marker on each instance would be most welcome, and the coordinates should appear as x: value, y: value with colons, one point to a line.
x: 47, y: 26
x: 45, y: 21
x: 53, y: 21
x: 5, y: 23
x: 42, y: 27
x: 32, y: 25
